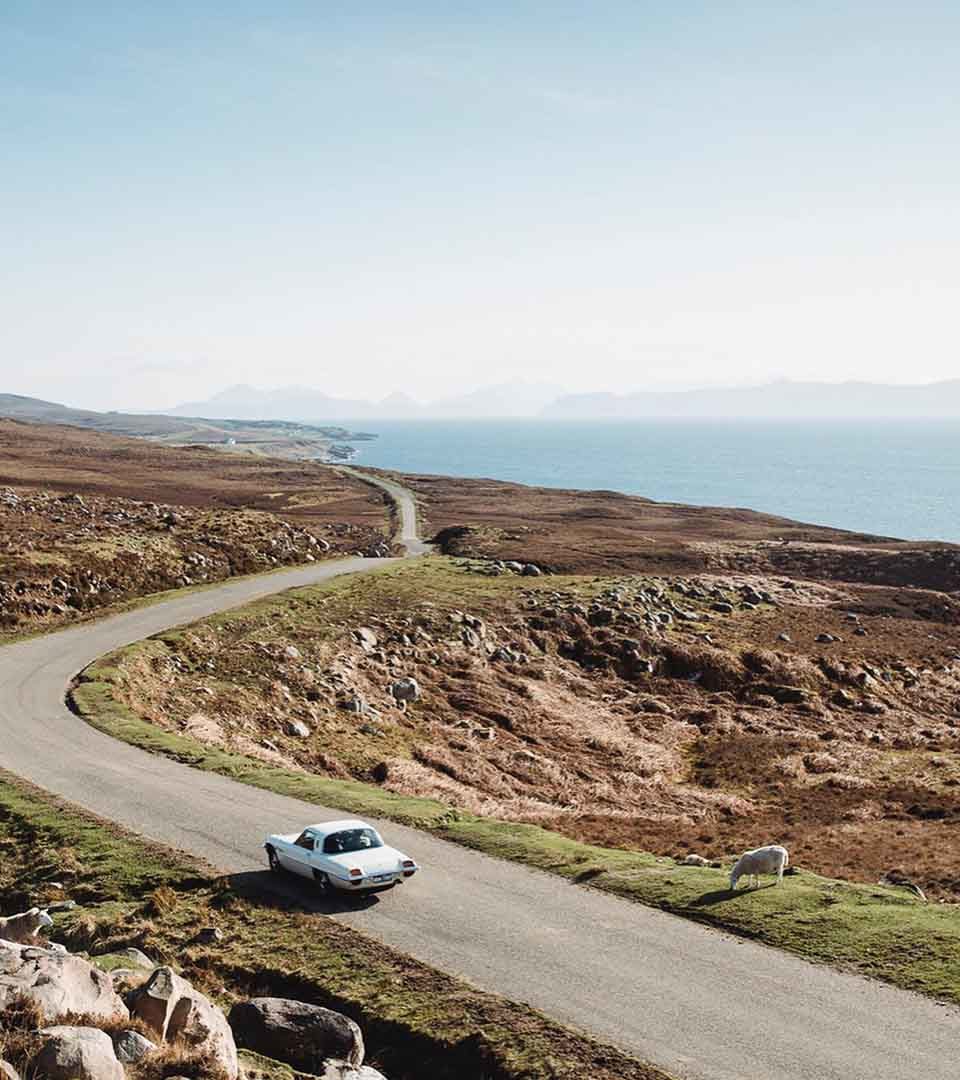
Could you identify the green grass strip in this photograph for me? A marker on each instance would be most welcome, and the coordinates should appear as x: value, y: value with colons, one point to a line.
x: 877, y: 931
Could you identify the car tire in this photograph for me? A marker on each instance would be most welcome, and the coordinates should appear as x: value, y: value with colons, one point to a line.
x: 274, y: 860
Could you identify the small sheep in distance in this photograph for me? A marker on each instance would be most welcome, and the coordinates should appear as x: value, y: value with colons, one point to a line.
x: 24, y: 929
x: 764, y: 860
x: 404, y: 690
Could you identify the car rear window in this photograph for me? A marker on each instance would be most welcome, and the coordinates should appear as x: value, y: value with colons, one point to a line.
x: 339, y: 843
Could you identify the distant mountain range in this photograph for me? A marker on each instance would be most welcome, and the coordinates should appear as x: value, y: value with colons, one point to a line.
x: 515, y: 399
x: 778, y: 400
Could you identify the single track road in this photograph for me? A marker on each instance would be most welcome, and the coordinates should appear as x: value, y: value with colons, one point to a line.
x: 697, y: 1002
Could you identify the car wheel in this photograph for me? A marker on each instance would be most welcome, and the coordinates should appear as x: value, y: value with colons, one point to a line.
x: 323, y: 882
x: 274, y: 861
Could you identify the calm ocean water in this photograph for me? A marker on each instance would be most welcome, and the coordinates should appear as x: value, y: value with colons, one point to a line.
x: 896, y: 479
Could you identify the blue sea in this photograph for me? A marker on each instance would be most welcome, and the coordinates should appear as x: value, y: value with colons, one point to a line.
x: 897, y: 479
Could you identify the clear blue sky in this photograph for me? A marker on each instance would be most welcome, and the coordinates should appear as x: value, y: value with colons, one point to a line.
x: 370, y: 196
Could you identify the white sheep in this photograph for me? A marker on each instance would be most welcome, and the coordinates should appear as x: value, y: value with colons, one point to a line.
x: 404, y: 690
x: 772, y: 859
x: 24, y: 929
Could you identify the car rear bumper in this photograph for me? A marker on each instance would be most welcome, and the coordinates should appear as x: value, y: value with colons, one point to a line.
x: 373, y: 882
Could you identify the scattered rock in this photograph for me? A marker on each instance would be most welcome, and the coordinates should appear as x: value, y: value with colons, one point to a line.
x: 172, y: 1008
x: 654, y: 705
x: 340, y: 1070
x: 57, y: 982
x: 365, y: 638
x: 131, y: 1046
x: 137, y: 959
x: 304, y: 1036
x: 78, y: 1053
x: 296, y: 728
x: 209, y: 935
x: 352, y: 703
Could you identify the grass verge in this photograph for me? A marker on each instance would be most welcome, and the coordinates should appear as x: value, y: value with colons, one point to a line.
x: 416, y: 1021
x: 877, y: 931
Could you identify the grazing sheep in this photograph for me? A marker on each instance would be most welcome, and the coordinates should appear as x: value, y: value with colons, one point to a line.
x: 24, y: 929
x: 404, y: 690
x: 694, y: 860
x: 764, y: 860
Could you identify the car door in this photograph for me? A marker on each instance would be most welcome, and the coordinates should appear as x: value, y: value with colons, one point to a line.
x: 300, y: 853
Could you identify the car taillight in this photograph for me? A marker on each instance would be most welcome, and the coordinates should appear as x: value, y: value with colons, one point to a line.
x: 356, y: 873
x: 409, y: 864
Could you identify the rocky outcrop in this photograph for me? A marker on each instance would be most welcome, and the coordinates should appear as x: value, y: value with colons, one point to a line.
x: 176, y: 1011
x: 304, y: 1036
x: 56, y: 982
x: 78, y: 1053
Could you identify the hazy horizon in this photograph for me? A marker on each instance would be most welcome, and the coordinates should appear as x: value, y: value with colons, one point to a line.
x: 610, y: 197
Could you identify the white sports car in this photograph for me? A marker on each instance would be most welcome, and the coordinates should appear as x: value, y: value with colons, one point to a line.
x: 346, y: 855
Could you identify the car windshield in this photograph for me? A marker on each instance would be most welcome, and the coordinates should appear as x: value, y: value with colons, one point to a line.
x: 339, y: 843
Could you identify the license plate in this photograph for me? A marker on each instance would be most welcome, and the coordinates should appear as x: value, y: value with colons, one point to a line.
x: 381, y: 877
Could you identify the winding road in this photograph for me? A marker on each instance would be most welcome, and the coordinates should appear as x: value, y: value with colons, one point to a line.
x: 697, y: 1002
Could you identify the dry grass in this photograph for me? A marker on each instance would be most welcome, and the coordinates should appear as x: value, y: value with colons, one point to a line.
x: 177, y: 1059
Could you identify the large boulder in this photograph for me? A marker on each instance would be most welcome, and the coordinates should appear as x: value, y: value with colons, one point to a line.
x: 173, y: 1009
x: 78, y: 1053
x: 304, y: 1036
x: 57, y: 982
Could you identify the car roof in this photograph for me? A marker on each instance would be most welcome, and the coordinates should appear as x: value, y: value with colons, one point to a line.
x: 327, y: 827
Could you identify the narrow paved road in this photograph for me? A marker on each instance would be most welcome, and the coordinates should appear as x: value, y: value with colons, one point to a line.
x: 695, y: 1001
x: 407, y: 534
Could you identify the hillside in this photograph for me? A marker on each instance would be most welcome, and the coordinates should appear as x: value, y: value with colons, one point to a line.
x: 608, y: 532
x: 275, y: 437
x: 89, y: 520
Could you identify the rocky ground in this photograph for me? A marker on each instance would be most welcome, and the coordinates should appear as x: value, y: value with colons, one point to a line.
x: 67, y: 459
x: 89, y: 520
x: 684, y: 714
x: 122, y: 1015
x: 65, y: 555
